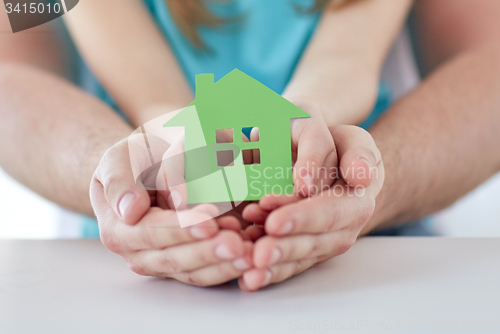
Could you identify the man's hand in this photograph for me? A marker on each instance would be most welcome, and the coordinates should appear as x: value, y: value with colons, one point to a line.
x: 303, y: 232
x: 149, y: 237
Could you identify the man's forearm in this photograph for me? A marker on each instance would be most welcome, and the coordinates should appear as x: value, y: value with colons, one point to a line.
x: 52, y: 135
x: 442, y: 140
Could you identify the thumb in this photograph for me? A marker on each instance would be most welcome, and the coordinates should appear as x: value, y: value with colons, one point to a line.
x: 129, y: 201
x: 316, y: 155
x: 359, y: 156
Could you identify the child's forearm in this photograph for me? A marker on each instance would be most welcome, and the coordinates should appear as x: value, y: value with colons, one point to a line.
x: 128, y: 54
x: 339, y: 72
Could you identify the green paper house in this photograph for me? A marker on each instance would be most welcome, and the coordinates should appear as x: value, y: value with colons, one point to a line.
x: 237, y: 102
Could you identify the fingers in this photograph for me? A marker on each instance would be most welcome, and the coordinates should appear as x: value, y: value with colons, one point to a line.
x: 159, y: 229
x: 255, y: 232
x: 272, y: 202
x: 322, y: 214
x: 270, y: 251
x: 218, y: 273
x: 334, y: 209
x: 277, y: 259
x: 114, y: 173
x: 258, y: 213
x: 255, y: 214
x: 227, y: 245
x: 257, y: 278
x: 359, y: 156
x: 316, y: 156
x: 229, y: 223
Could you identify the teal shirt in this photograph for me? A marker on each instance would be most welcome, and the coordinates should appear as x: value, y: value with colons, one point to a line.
x: 266, y: 41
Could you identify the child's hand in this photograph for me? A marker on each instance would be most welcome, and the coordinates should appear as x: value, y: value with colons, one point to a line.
x: 313, y: 152
x: 305, y: 232
x: 149, y: 237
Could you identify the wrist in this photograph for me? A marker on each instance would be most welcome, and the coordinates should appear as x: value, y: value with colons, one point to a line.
x: 390, y: 202
x: 380, y: 217
x: 341, y: 91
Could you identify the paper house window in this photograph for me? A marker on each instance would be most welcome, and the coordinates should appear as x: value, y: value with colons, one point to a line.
x: 225, y: 158
x: 248, y: 130
x: 224, y: 136
x: 251, y: 157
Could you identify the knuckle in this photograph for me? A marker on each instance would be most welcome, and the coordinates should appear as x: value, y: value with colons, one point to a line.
x: 377, y: 155
x: 365, y: 213
x: 310, y: 126
x: 314, y: 247
x: 345, y: 245
x: 315, y: 157
x: 146, y: 237
x: 111, y: 181
x: 106, y: 158
x: 316, y: 262
x: 299, y: 125
x: 371, y: 154
x: 346, y: 132
x: 329, y: 226
x: 203, y: 257
x: 296, y: 269
x: 370, y: 148
x: 192, y: 279
x: 343, y: 132
x: 138, y: 268
x: 110, y: 241
x: 169, y: 266
x: 227, y: 272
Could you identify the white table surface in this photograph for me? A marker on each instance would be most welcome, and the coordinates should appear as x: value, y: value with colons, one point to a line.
x: 382, y: 285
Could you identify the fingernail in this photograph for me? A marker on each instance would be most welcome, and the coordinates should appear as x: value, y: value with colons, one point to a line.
x: 176, y: 198
x: 241, y: 264
x: 125, y: 203
x: 287, y: 228
x: 275, y: 256
x: 198, y: 232
x: 223, y: 252
x: 267, y: 280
